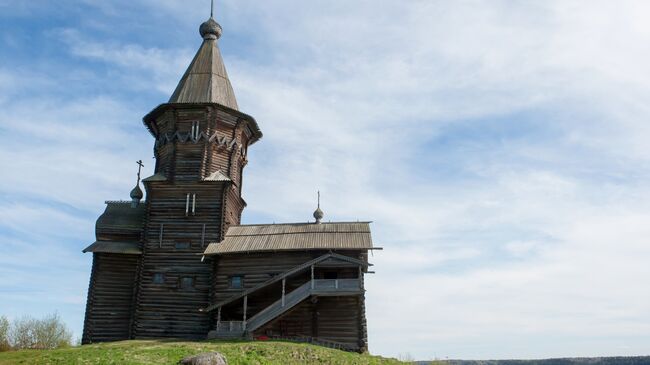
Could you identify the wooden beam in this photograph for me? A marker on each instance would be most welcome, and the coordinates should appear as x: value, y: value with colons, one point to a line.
x: 203, y: 236
x: 284, y: 282
x: 245, y: 308
x: 160, y: 237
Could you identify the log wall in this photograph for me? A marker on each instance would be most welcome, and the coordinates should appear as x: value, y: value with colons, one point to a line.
x: 110, y: 298
x: 173, y: 246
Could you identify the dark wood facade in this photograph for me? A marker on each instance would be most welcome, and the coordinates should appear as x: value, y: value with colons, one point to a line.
x: 180, y: 265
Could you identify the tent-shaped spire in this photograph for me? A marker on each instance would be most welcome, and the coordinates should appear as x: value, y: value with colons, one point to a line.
x: 206, y: 80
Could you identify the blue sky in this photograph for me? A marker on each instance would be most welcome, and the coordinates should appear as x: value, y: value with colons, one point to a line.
x: 499, y: 147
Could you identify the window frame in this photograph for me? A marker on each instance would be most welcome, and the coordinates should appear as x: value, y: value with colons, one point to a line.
x: 155, y: 280
x: 241, y: 282
x: 192, y: 281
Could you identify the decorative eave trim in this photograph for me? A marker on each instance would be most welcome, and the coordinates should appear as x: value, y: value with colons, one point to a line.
x: 250, y: 121
x: 188, y: 137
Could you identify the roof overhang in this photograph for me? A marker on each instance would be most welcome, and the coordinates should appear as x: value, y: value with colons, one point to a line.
x: 123, y: 247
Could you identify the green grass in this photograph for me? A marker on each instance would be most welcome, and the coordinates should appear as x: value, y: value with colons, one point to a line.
x: 170, y: 352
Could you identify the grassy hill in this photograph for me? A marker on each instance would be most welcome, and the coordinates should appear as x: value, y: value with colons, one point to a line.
x: 170, y: 352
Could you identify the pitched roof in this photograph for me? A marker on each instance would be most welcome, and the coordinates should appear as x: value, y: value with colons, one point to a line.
x: 294, y: 236
x: 206, y: 80
x: 217, y: 176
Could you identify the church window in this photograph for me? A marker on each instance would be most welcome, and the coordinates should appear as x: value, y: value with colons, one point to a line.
x: 187, y: 282
x: 182, y: 245
x: 158, y: 278
x: 236, y: 282
x: 194, y: 133
x: 190, y: 208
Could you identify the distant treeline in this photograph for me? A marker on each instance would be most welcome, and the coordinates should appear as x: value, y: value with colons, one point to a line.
x: 617, y: 360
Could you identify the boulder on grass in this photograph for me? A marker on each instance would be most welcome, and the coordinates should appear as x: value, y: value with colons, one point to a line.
x: 208, y: 358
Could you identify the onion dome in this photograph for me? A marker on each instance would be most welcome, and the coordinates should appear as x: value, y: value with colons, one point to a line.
x: 136, y: 193
x: 318, y: 214
x: 210, y: 29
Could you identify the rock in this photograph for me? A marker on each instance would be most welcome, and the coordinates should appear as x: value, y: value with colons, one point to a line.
x: 208, y: 358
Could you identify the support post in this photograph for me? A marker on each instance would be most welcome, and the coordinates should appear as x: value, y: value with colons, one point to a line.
x: 284, y: 281
x: 160, y: 235
x: 203, y: 236
x: 245, y: 305
x: 360, y: 277
x: 218, y: 318
x: 312, y: 276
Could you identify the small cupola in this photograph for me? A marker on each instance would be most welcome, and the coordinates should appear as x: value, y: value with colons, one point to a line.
x: 136, y: 193
x: 210, y: 29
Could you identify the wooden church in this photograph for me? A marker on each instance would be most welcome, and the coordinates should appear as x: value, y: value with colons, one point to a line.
x: 180, y: 265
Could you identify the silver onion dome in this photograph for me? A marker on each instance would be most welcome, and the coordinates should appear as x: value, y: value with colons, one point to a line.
x: 210, y: 29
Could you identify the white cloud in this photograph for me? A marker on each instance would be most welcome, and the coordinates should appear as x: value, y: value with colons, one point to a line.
x: 500, y: 149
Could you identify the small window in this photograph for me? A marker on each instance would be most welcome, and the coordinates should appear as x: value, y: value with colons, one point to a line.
x: 236, y: 282
x: 182, y: 245
x: 187, y: 282
x: 158, y: 278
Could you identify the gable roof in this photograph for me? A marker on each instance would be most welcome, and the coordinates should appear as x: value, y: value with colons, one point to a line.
x: 217, y: 176
x: 293, y: 237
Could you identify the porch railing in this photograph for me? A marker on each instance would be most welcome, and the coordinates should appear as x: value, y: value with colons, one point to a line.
x: 336, y: 284
x: 230, y: 326
x: 287, y: 301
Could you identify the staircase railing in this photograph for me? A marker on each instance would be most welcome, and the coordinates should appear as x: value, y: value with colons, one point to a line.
x: 288, y: 301
x: 279, y: 307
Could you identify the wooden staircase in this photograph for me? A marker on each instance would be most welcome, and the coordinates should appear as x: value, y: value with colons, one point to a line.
x: 279, y: 307
x: 325, y: 287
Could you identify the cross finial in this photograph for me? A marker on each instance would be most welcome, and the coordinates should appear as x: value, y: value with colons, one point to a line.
x: 140, y: 166
x: 318, y: 214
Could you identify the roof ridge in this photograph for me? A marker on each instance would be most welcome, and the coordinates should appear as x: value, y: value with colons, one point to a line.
x: 296, y: 223
x: 288, y: 233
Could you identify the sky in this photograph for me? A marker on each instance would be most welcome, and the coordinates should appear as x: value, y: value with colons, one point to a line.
x: 499, y: 147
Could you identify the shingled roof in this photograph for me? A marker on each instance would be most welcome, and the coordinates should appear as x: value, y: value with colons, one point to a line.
x: 293, y: 237
x: 206, y: 80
